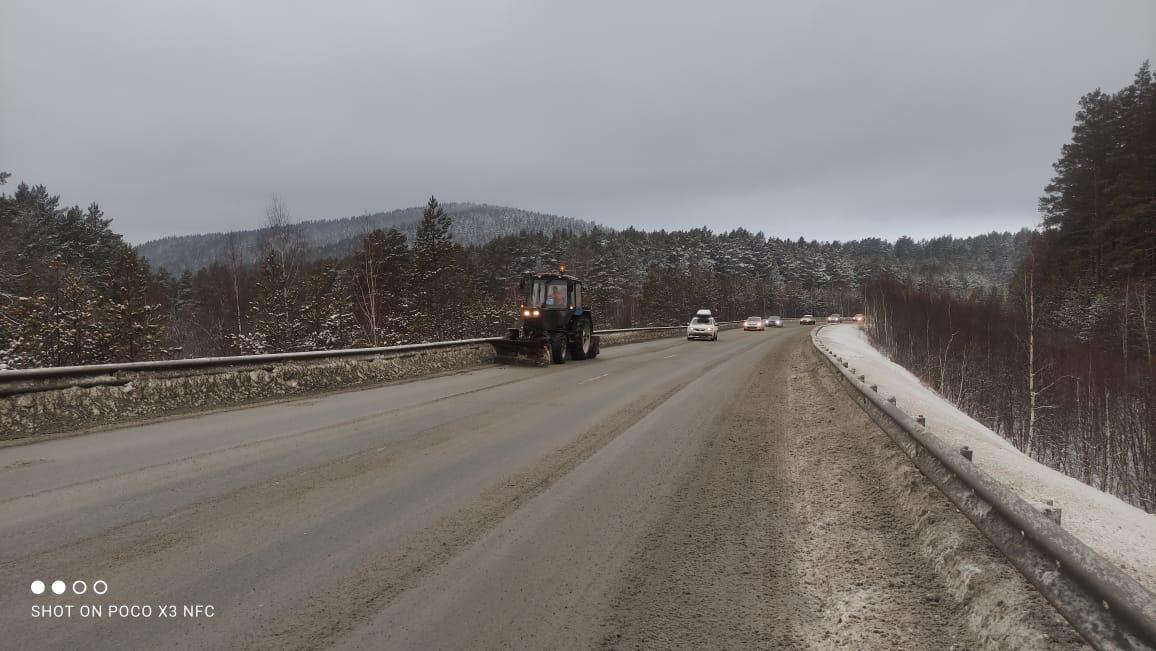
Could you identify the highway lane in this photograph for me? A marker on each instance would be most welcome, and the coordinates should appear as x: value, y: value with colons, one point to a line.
x: 274, y: 499
x: 113, y: 477
x: 650, y: 497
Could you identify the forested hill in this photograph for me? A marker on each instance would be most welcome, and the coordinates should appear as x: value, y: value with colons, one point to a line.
x: 72, y: 292
x: 650, y: 278
x: 473, y: 224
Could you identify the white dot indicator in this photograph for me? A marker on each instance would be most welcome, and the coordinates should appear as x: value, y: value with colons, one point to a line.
x: 58, y: 587
x: 38, y: 587
x: 79, y: 587
x: 100, y: 586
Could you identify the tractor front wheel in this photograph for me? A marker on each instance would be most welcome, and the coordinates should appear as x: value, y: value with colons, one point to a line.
x: 558, y: 349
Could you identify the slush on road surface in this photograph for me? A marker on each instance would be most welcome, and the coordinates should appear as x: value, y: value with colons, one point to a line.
x: 669, y: 494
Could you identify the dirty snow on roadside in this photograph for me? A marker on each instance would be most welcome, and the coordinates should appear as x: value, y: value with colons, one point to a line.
x: 1121, y: 532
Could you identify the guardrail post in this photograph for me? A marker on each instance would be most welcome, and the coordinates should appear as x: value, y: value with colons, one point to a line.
x: 1053, y: 512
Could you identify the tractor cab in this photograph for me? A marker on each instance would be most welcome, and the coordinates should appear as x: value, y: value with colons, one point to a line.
x: 549, y: 302
x: 553, y: 323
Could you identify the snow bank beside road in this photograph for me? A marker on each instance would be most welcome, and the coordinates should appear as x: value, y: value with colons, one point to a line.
x: 1119, y: 531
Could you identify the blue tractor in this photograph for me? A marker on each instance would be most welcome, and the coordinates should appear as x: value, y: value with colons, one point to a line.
x: 553, y: 323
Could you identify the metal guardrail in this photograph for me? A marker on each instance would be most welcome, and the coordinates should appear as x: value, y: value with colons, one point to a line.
x: 235, y: 360
x: 17, y: 381
x: 1109, y: 608
x: 618, y: 330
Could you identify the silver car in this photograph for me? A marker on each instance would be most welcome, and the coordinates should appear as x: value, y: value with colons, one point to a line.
x: 702, y: 327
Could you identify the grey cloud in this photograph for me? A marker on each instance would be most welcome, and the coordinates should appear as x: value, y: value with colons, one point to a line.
x: 826, y: 120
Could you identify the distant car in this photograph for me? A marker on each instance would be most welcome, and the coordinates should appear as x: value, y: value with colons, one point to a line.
x: 702, y: 326
x: 754, y: 323
x: 834, y: 318
x: 808, y: 319
x: 858, y: 318
x: 775, y: 321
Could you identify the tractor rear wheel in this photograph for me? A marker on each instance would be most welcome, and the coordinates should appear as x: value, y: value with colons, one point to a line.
x: 582, y: 344
x: 558, y: 349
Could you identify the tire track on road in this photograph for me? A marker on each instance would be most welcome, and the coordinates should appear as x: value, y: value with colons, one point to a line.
x: 713, y: 572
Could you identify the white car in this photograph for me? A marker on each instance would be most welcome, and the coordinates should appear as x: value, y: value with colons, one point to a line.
x: 754, y: 323
x: 702, y: 326
x: 775, y: 321
x: 808, y: 319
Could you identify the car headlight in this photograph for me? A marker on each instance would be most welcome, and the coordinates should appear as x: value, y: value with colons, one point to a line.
x: 536, y: 312
x: 525, y: 312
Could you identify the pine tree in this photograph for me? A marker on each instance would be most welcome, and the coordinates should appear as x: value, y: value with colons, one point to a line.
x: 1075, y: 201
x: 274, y: 326
x: 435, y: 279
x: 135, y: 323
x: 329, y: 318
x: 64, y: 326
x: 1132, y: 206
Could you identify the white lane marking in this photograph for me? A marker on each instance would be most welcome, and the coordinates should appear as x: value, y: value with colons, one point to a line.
x: 669, y: 356
x: 591, y: 379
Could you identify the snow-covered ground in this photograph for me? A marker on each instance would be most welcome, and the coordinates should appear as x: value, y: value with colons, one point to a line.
x: 1121, y: 532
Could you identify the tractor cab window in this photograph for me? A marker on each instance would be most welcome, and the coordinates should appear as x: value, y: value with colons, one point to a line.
x: 550, y: 293
x: 556, y: 294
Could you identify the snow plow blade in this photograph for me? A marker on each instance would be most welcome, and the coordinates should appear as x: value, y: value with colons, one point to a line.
x: 522, y: 351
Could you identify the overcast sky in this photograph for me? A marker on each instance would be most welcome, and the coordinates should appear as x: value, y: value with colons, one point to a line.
x: 829, y: 120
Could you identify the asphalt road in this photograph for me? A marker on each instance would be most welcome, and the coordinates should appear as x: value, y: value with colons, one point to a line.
x: 667, y: 494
